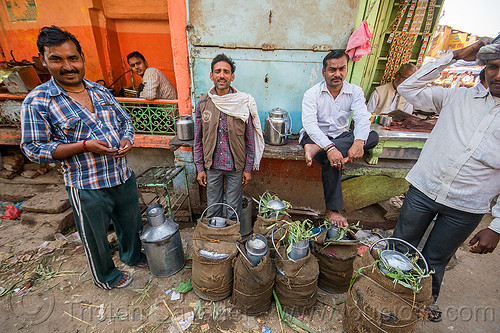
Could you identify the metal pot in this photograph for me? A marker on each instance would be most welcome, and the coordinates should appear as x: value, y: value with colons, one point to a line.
x: 278, y: 127
x: 218, y: 221
x: 332, y: 233
x: 256, y: 247
x: 299, y: 250
x: 185, y: 127
x: 163, y: 247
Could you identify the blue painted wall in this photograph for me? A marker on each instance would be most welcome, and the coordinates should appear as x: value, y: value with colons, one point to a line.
x: 299, y: 34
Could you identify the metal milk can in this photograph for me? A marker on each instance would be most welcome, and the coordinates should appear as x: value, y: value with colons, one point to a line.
x: 256, y: 247
x: 185, y: 127
x: 162, y: 243
x: 278, y: 127
x: 246, y: 226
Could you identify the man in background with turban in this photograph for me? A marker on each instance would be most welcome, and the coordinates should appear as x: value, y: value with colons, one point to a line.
x: 458, y: 172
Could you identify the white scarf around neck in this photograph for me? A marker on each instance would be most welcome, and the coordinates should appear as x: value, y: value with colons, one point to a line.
x: 242, y: 105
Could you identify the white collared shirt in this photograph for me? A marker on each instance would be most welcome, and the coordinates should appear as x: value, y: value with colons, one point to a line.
x: 460, y: 163
x: 324, y: 115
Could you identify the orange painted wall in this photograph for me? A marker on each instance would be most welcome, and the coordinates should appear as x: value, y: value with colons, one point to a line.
x: 71, y: 15
x: 107, y: 30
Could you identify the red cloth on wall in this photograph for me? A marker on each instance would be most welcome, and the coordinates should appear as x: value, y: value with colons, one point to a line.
x: 359, y: 42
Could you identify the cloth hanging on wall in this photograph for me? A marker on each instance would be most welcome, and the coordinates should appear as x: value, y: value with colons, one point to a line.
x: 359, y: 42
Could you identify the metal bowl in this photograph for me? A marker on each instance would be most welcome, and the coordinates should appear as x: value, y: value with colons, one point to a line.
x: 217, y: 222
x: 276, y: 205
x: 394, y: 259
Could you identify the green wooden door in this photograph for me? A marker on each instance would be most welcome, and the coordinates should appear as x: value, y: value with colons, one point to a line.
x: 381, y: 16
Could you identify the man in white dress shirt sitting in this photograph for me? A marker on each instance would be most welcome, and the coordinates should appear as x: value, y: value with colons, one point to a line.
x: 385, y: 98
x: 458, y: 172
x: 326, y: 108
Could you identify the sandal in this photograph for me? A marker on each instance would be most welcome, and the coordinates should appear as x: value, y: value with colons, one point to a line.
x: 124, y: 281
x: 434, y: 314
x: 143, y: 263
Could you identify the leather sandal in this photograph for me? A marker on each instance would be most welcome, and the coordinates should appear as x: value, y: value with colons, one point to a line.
x: 434, y: 314
x: 143, y: 263
x: 124, y: 281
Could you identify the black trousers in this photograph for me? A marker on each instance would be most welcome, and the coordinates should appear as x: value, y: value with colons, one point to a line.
x: 451, y: 229
x: 332, y: 177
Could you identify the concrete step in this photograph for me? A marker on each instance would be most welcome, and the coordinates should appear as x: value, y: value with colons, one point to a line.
x: 61, y: 222
x: 19, y: 192
x: 53, y: 200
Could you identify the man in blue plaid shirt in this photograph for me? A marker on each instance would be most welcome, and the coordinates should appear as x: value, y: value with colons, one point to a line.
x: 79, y: 123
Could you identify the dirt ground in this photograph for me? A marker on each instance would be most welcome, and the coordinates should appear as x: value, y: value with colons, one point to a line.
x: 50, y: 290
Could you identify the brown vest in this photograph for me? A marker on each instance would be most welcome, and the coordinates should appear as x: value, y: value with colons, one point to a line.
x: 235, y: 128
x: 385, y: 96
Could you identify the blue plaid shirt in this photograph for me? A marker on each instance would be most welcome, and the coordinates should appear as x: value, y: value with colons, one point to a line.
x: 50, y: 117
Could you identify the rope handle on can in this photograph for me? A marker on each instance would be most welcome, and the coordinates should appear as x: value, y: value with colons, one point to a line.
x: 406, y: 243
x: 220, y: 203
x: 289, y: 130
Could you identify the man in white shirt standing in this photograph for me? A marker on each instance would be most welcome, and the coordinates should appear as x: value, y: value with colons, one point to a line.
x: 326, y: 108
x: 458, y: 172
x: 155, y: 84
x: 385, y: 98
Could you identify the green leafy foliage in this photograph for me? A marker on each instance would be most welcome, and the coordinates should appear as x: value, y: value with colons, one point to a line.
x: 268, y: 212
x: 298, y: 231
x: 342, y: 232
x: 411, y: 279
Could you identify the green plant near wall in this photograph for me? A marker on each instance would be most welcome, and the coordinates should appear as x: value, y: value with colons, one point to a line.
x: 298, y: 231
x: 266, y: 211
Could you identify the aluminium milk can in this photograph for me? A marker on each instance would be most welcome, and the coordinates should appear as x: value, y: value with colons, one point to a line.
x: 162, y: 243
x: 278, y: 127
x: 185, y: 127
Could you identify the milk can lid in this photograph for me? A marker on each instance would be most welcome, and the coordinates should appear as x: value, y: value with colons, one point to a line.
x: 278, y: 112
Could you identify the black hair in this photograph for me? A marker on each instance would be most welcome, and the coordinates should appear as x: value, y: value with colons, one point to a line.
x: 225, y: 58
x: 335, y: 54
x: 135, y: 54
x: 55, y: 36
x: 482, y: 78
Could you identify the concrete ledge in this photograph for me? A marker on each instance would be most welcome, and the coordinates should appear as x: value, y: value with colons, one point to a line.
x: 293, y: 151
x: 153, y: 141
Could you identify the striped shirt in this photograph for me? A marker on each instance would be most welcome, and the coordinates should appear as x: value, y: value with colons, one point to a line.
x: 49, y: 117
x: 156, y: 85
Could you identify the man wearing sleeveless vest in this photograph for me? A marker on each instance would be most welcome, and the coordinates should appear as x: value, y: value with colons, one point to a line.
x: 385, y: 98
x: 228, y: 141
